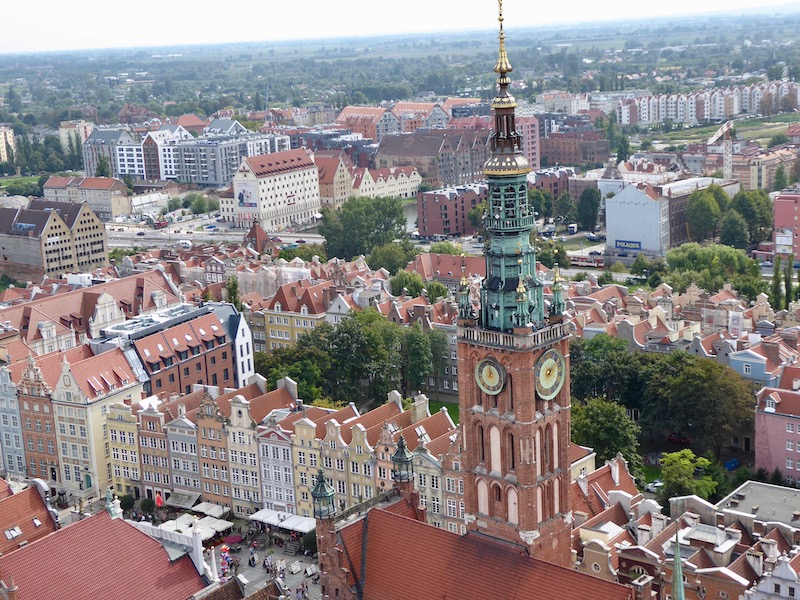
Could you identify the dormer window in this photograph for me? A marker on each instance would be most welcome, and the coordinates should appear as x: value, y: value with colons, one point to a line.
x: 278, y: 307
x: 304, y: 310
x: 770, y: 404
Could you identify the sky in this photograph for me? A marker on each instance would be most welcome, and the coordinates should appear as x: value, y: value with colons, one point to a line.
x: 53, y: 25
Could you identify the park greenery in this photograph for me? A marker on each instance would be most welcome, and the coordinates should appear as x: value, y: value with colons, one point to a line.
x: 675, y: 392
x: 361, y: 225
x: 390, y: 357
x: 740, y: 221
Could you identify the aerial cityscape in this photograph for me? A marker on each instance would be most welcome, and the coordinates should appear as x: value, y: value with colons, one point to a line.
x: 505, y: 306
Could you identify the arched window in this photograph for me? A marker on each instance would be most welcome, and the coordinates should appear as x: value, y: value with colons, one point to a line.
x: 548, y: 448
x: 483, y: 497
x: 481, y: 446
x: 495, y: 450
x: 555, y: 446
x: 511, y: 452
x: 513, y: 506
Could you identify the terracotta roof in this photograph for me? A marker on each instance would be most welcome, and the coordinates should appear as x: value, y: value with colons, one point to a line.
x: 293, y: 296
x: 599, y: 483
x: 23, y: 511
x: 456, y: 565
x: 110, y: 544
x: 431, y: 266
x: 575, y: 452
x: 5, y: 489
x: 342, y: 416
x: 276, y: 163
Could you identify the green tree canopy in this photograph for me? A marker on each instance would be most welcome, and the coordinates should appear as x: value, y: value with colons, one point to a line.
x: 392, y: 256
x: 436, y: 290
x: 678, y: 473
x: 777, y: 140
x: 305, y: 252
x: 588, y: 205
x: 711, y: 266
x: 541, y: 201
x: 412, y: 282
x: 604, y: 426
x: 361, y: 225
x: 564, y: 208
x: 103, y: 169
x: 733, y: 230
x: 702, y: 214
x: 781, y: 179
x: 232, y: 291
x: 446, y: 247
x: 756, y: 209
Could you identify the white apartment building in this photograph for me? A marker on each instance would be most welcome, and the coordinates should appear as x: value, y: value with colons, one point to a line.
x: 280, y: 190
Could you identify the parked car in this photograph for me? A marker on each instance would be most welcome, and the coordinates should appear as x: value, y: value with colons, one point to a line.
x: 301, y: 241
x: 563, y: 239
x: 277, y: 240
x: 623, y: 254
x: 678, y: 438
x: 595, y: 253
x: 654, y: 486
x: 141, y: 233
x: 592, y: 237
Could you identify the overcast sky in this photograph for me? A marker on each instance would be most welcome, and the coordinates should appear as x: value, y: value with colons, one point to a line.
x: 79, y: 24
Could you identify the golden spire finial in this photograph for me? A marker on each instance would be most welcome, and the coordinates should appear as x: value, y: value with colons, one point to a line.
x: 502, y: 66
x: 464, y: 283
x: 557, y: 275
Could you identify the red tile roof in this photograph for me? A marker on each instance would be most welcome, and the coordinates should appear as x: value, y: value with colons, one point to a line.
x: 20, y: 510
x: 96, y: 558
x: 276, y: 163
x: 394, y: 568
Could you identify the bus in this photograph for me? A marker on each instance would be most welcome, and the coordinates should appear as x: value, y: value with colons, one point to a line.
x: 160, y: 224
x: 595, y: 262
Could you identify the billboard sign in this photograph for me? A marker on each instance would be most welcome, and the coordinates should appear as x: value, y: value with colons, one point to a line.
x: 247, y: 194
x: 627, y: 245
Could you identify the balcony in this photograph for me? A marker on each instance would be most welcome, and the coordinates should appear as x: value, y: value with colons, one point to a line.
x: 497, y: 339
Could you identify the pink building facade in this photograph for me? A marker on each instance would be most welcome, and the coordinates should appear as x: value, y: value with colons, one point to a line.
x: 778, y: 432
x: 787, y: 224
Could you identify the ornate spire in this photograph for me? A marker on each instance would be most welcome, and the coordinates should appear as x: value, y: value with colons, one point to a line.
x: 503, y: 66
x: 677, y: 570
x: 557, y: 305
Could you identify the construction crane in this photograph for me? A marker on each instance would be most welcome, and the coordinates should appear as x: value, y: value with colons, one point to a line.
x: 727, y: 148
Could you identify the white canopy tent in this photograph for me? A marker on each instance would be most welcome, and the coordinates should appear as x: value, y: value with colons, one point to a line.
x: 299, y: 524
x: 218, y: 525
x: 184, y: 526
x: 210, y: 509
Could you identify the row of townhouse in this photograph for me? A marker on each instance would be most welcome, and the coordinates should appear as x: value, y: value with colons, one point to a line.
x: 405, y: 117
x: 250, y: 449
x: 708, y: 105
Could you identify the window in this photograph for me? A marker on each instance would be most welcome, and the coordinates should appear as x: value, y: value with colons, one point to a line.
x: 789, y: 428
x: 747, y: 368
x: 789, y: 445
x: 789, y: 463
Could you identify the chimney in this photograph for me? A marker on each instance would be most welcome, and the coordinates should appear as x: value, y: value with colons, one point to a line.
x: 614, y: 464
x: 659, y: 522
x: 644, y: 533
x: 9, y: 589
x: 289, y: 384
x: 756, y: 560
x: 583, y: 483
x: 579, y: 517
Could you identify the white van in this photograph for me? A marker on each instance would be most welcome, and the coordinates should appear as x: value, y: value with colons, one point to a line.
x: 185, y: 244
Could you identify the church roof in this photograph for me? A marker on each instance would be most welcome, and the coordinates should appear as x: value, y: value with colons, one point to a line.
x: 384, y: 550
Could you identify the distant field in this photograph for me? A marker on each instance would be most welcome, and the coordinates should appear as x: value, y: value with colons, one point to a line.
x: 4, y: 181
x: 452, y: 408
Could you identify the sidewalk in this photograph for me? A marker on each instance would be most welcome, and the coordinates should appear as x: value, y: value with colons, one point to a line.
x: 257, y: 576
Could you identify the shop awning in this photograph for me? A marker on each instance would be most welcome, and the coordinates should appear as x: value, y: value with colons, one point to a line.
x: 298, y: 523
x: 182, y: 499
x: 264, y: 513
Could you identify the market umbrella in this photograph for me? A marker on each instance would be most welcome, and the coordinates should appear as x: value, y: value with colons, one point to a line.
x: 232, y: 539
x: 159, y: 501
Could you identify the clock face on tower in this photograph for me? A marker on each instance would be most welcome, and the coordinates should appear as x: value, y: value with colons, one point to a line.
x: 491, y: 376
x: 549, y: 372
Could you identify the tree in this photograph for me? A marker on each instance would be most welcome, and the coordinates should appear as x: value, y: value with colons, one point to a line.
x: 199, y: 205
x: 406, y: 280
x: 103, y: 169
x: 756, y: 209
x: 173, y: 204
x: 702, y: 214
x: 781, y: 180
x: 475, y: 218
x: 213, y: 204
x: 588, y: 205
x: 361, y: 225
x: 733, y: 230
x: 623, y: 149
x: 711, y: 266
x: 788, y: 281
x: 564, y: 208
x: 391, y: 256
x: 604, y: 426
x: 127, y: 179
x: 678, y: 473
x: 126, y: 502
x: 541, y: 201
x: 305, y: 252
x: 417, y: 358
x: 436, y: 290
x: 232, y: 290
x: 446, y: 248
x: 148, y: 506
x: 778, y: 139
x: 776, y: 290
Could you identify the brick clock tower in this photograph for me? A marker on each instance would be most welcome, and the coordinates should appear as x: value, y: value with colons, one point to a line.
x: 513, y: 365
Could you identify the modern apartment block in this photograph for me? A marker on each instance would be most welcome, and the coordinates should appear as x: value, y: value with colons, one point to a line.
x: 8, y: 146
